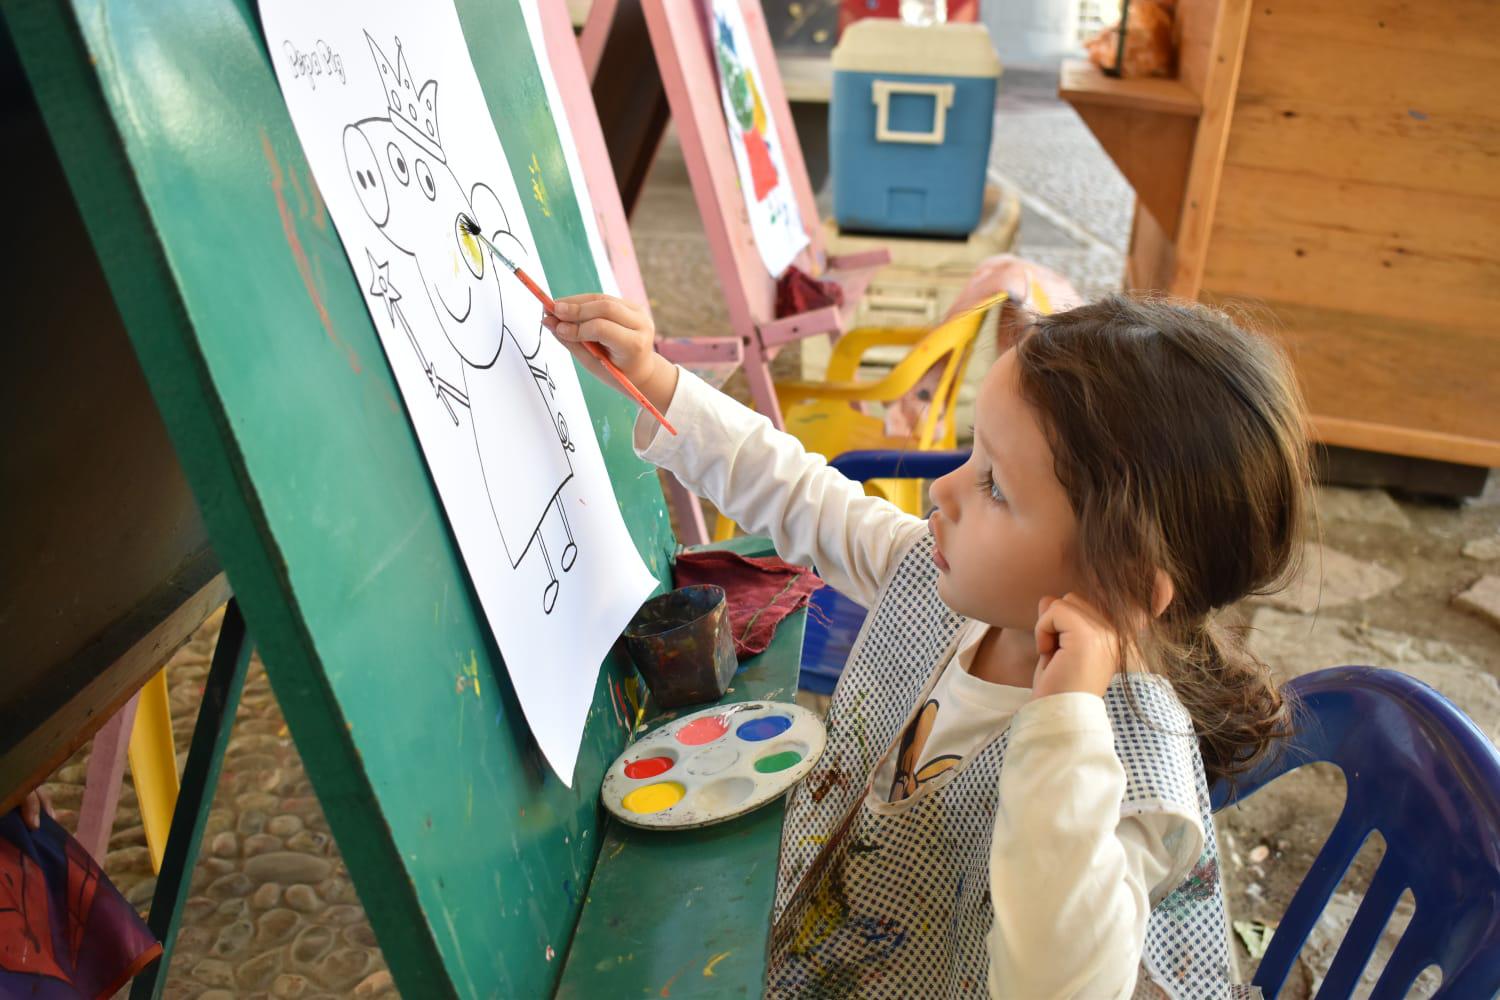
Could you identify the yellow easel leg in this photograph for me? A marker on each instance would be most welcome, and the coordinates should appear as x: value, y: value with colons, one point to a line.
x: 153, y: 765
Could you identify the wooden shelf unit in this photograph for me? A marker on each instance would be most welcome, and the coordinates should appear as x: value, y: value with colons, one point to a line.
x: 1334, y: 163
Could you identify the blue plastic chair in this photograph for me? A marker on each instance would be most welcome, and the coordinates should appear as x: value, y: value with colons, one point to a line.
x: 1419, y: 771
x: 834, y: 621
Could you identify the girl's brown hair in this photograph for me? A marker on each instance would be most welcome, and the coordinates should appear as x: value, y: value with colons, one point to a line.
x: 1181, y: 442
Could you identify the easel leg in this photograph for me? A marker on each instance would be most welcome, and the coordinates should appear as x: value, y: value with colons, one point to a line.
x: 221, y: 696
x: 101, y: 788
x: 762, y: 389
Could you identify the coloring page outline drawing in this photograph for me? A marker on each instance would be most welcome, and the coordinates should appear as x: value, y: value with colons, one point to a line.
x: 401, y: 144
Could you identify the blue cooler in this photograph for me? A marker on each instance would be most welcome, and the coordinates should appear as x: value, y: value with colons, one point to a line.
x: 909, y: 126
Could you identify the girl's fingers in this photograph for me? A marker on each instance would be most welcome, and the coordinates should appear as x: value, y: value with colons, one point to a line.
x: 604, y: 307
x: 616, y: 339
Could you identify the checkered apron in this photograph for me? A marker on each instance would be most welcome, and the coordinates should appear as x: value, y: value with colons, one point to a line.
x: 880, y: 899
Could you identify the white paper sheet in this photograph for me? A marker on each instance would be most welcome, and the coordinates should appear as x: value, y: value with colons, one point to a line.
x: 395, y: 127
x: 758, y: 157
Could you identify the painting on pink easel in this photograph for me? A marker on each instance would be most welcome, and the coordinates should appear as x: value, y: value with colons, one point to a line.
x: 759, y: 160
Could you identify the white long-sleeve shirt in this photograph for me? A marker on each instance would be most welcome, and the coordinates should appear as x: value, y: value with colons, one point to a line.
x: 1072, y: 881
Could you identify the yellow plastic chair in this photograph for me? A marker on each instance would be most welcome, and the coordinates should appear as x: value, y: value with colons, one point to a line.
x: 823, y: 416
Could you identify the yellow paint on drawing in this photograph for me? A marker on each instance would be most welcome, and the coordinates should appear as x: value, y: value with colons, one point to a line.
x: 472, y: 249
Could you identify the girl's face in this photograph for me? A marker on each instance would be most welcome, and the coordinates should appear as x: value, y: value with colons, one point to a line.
x: 1006, y: 534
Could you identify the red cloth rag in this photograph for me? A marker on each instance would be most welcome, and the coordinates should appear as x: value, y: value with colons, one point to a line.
x: 798, y: 292
x: 760, y: 592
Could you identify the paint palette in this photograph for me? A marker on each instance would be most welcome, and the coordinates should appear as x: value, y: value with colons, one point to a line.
x: 713, y: 765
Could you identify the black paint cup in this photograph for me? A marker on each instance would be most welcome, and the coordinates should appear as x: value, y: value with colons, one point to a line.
x: 682, y: 644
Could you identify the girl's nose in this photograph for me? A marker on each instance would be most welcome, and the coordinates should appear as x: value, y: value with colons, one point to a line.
x: 944, y: 492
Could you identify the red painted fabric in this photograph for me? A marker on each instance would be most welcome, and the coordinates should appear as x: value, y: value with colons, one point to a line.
x: 760, y: 592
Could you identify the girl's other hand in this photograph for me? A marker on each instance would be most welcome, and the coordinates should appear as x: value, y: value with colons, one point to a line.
x: 1079, y: 651
x: 620, y: 327
x: 36, y: 803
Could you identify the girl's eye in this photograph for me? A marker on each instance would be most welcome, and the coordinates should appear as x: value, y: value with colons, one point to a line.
x: 988, y: 486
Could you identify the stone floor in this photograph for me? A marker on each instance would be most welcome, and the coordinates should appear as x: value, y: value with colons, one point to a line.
x: 273, y: 911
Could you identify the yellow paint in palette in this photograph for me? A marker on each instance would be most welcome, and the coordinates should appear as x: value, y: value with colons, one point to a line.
x: 654, y: 798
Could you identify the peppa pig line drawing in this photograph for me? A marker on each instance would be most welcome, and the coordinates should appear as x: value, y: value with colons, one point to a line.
x: 401, y: 139
x: 400, y: 172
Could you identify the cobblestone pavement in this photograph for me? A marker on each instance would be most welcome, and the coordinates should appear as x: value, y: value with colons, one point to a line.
x: 272, y: 909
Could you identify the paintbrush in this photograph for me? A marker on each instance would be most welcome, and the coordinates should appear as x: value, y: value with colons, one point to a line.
x: 472, y: 228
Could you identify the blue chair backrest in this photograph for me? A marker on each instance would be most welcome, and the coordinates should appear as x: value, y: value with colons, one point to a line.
x: 1419, y: 771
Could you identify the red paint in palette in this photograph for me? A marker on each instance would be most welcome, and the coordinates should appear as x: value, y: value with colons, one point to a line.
x: 648, y: 767
x: 704, y: 730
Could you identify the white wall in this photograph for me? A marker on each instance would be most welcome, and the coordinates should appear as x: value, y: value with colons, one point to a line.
x: 1031, y: 33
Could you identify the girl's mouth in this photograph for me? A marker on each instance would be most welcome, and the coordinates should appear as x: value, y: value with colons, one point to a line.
x: 937, y: 547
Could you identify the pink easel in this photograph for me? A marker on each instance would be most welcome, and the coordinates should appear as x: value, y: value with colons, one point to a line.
x: 101, y: 788
x: 682, y: 40
x: 578, y: 104
x: 591, y: 38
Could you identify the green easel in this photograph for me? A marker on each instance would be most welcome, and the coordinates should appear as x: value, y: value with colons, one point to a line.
x: 481, y: 873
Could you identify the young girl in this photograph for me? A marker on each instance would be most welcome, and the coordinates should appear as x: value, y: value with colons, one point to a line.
x: 1013, y: 795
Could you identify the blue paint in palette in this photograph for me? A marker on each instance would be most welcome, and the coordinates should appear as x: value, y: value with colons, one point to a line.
x: 763, y: 728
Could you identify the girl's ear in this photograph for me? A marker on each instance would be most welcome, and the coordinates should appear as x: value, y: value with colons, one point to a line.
x: 1162, y: 593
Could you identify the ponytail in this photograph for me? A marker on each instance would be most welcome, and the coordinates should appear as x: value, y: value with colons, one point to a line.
x: 1239, y: 710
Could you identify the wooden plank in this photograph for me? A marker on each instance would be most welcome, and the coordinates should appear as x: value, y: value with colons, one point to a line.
x: 1201, y: 197
x: 1152, y: 150
x: 1457, y: 226
x: 1354, y: 76
x: 1389, y: 146
x: 1081, y: 84
x: 1459, y: 27
x: 1152, y: 255
x: 1355, y: 271
x: 1193, y: 30
x: 1411, y: 387
x: 1482, y: 454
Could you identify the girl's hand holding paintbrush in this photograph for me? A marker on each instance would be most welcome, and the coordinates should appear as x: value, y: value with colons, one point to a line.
x: 626, y: 336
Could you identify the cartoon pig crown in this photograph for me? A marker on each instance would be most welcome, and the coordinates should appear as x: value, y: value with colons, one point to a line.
x: 413, y: 111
